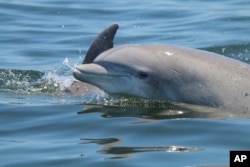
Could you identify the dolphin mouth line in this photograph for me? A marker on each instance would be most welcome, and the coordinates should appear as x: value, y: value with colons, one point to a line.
x: 98, y: 74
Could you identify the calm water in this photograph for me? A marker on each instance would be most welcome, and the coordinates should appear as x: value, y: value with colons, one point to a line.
x: 41, y: 125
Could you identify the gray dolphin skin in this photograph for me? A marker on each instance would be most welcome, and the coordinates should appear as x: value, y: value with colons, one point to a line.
x: 167, y: 72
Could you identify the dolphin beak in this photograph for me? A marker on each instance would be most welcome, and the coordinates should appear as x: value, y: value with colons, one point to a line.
x: 88, y: 72
x: 103, y: 77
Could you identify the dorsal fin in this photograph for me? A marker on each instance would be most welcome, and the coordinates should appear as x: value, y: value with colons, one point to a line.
x: 102, y: 42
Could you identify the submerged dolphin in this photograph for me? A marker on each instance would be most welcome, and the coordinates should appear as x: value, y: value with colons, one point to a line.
x: 167, y: 72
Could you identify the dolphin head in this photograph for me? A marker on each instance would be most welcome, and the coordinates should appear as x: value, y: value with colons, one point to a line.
x: 122, y: 70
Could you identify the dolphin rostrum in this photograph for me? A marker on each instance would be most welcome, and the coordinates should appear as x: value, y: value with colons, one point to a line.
x: 172, y: 73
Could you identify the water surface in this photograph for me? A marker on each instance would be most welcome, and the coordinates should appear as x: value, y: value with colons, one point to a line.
x: 41, y: 125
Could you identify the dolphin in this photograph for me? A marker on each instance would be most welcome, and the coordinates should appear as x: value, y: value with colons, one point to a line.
x: 166, y: 72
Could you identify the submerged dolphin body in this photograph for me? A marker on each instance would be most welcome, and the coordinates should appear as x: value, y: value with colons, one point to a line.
x: 167, y: 72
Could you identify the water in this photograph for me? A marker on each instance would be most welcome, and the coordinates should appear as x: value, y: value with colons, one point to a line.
x: 42, y: 125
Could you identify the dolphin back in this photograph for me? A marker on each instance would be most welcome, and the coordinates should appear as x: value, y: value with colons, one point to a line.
x: 102, y: 42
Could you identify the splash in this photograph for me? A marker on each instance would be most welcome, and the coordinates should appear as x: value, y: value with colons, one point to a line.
x: 31, y: 81
x: 66, y: 63
x: 59, y: 79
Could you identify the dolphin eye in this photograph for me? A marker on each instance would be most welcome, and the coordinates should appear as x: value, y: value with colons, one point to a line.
x: 142, y: 75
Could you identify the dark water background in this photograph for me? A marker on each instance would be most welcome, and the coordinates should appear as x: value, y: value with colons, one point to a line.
x: 43, y: 126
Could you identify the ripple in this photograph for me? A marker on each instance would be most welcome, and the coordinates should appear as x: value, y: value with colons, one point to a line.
x: 127, y: 151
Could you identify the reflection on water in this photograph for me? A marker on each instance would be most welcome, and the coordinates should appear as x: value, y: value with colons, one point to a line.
x: 110, y: 147
x: 149, y: 109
